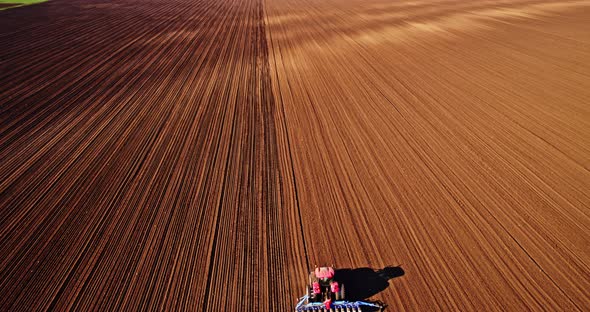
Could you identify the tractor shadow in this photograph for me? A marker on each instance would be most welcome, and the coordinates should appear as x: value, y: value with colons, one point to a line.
x: 363, y: 283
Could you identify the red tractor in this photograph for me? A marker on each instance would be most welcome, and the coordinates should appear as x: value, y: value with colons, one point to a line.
x: 323, y: 287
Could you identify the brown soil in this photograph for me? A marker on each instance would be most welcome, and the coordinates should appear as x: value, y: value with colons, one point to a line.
x: 8, y: 5
x: 202, y: 155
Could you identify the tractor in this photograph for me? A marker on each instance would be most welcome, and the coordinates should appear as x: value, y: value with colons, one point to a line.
x: 324, y: 292
x: 323, y: 287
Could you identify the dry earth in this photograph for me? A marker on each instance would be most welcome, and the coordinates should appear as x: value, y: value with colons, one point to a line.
x: 202, y: 155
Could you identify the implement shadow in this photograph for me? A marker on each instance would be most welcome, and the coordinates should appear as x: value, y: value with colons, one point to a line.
x: 363, y: 283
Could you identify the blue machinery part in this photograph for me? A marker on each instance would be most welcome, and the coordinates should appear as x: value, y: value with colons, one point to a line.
x: 339, y: 306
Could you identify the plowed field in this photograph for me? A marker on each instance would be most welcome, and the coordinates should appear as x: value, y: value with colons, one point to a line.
x: 203, y: 155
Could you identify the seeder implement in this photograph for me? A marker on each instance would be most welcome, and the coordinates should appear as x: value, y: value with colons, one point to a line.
x: 336, y: 306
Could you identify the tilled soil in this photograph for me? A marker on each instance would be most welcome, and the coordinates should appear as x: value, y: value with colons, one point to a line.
x: 203, y: 155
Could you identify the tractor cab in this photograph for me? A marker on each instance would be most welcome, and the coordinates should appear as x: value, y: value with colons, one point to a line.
x: 324, y: 275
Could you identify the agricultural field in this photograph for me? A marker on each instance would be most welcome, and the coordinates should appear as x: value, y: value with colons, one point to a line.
x: 204, y: 155
x: 9, y: 4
